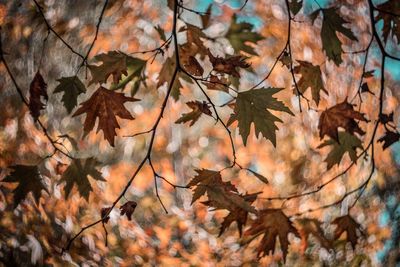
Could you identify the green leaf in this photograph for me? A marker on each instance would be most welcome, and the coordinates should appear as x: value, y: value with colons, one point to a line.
x: 295, y: 6
x: 77, y: 174
x: 332, y: 22
x: 241, y: 33
x: 347, y: 143
x: 311, y: 77
x: 72, y: 87
x: 28, y: 179
x: 114, y: 63
x: 252, y: 107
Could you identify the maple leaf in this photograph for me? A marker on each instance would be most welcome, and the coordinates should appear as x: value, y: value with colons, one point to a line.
x: 347, y: 143
x: 72, y: 87
x: 198, y: 108
x: 311, y: 77
x: 347, y: 224
x: 114, y: 63
x: 252, y: 107
x: 221, y: 195
x: 218, y: 84
x: 312, y: 227
x: 128, y: 208
x: 105, y: 105
x: 241, y: 33
x: 389, y: 139
x: 332, y: 22
x: 391, y: 23
x: 193, y: 66
x: 28, y: 179
x: 228, y: 65
x: 295, y: 6
x: 105, y: 214
x: 341, y: 115
x: 386, y: 118
x: 194, y: 44
x: 37, y: 89
x: 238, y: 214
x: 285, y: 59
x: 271, y: 223
x: 77, y: 174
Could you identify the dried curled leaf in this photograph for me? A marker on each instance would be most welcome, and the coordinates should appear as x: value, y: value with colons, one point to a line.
x: 193, y: 66
x: 105, y: 214
x: 272, y: 224
x: 105, y: 105
x: 128, y: 208
x: 37, y: 89
x: 228, y: 65
x: 347, y: 224
x: 28, y: 179
x: 389, y: 138
x: 198, y: 108
x: 253, y: 107
x: 341, y: 115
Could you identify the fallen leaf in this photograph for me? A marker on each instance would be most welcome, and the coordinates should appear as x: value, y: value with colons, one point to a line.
x: 198, y: 108
x: 252, y: 107
x: 347, y: 224
x: 72, y: 87
x: 341, y: 115
x: 37, y: 89
x: 311, y: 77
x: 105, y: 105
x: 28, y: 179
x: 128, y: 208
x: 77, y: 174
x: 271, y: 223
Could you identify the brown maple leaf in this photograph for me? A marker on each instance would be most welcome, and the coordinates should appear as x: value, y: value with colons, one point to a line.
x: 271, y: 223
x: 341, y: 115
x: 193, y: 66
x: 347, y: 224
x: 104, y: 212
x: 105, y: 105
x: 313, y: 227
x: 198, y: 108
x: 238, y: 214
x: 389, y: 139
x: 218, y: 84
x: 228, y: 65
x: 128, y: 208
x: 37, y: 89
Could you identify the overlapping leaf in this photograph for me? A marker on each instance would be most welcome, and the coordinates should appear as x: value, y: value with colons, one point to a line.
x: 332, y: 22
x: 28, y: 179
x: 105, y: 105
x: 240, y: 33
x: 229, y: 65
x: 77, y: 174
x: 253, y: 107
x: 217, y: 83
x: 348, y: 143
x: 37, y: 90
x: 347, y: 224
x: 272, y: 224
x: 198, y: 108
x: 114, y: 63
x: 72, y: 87
x: 391, y: 22
x: 341, y: 115
x: 311, y: 77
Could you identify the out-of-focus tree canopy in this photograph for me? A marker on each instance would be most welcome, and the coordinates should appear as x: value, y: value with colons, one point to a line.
x: 199, y: 133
